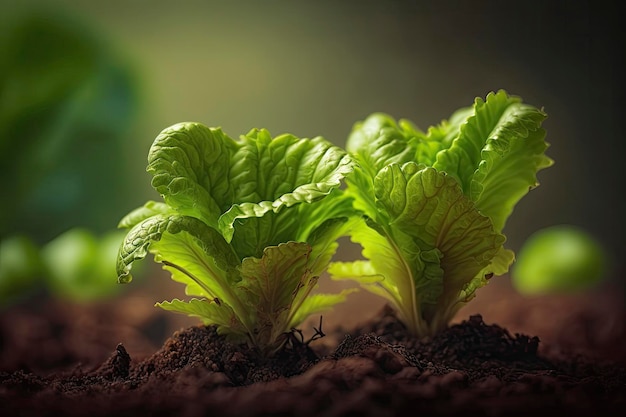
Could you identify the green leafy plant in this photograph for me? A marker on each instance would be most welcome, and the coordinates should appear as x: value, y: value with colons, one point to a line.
x: 434, y: 204
x: 76, y: 266
x: 246, y: 225
x: 20, y: 269
x: 68, y: 104
x: 559, y: 259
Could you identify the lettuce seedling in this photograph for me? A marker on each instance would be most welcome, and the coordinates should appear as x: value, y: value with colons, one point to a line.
x: 246, y: 225
x: 434, y: 204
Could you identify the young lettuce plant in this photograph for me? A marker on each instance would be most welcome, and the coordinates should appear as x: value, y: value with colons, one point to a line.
x: 434, y: 204
x: 246, y: 225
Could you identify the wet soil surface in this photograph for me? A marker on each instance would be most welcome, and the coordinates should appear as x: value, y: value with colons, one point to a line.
x: 52, y: 363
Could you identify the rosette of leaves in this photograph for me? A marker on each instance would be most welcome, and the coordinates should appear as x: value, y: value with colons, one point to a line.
x: 247, y: 225
x: 434, y: 204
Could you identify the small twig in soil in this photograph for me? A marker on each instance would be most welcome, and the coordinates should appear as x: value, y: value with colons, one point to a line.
x: 319, y: 333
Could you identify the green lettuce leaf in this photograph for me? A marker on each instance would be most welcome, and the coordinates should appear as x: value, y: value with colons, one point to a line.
x: 151, y: 208
x: 497, y: 154
x: 427, y: 246
x: 210, y: 312
x: 375, y: 143
x: 384, y: 258
x: 190, y: 167
x: 272, y: 282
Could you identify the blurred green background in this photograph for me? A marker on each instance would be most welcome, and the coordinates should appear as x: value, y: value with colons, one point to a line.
x: 85, y: 86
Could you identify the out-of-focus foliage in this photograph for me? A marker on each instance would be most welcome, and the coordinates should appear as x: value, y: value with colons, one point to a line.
x: 20, y: 269
x: 559, y: 259
x: 67, y: 101
x: 80, y: 265
x: 76, y: 266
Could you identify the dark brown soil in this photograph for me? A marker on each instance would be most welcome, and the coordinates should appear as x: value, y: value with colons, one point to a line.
x: 53, y: 364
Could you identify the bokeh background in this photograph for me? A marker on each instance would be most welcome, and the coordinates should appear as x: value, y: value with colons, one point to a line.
x: 85, y: 86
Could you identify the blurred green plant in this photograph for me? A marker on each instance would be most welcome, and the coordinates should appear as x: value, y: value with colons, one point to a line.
x: 77, y: 266
x: 20, y: 269
x: 68, y: 101
x: 559, y: 259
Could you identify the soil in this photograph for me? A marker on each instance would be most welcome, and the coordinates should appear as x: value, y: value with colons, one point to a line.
x: 60, y: 359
